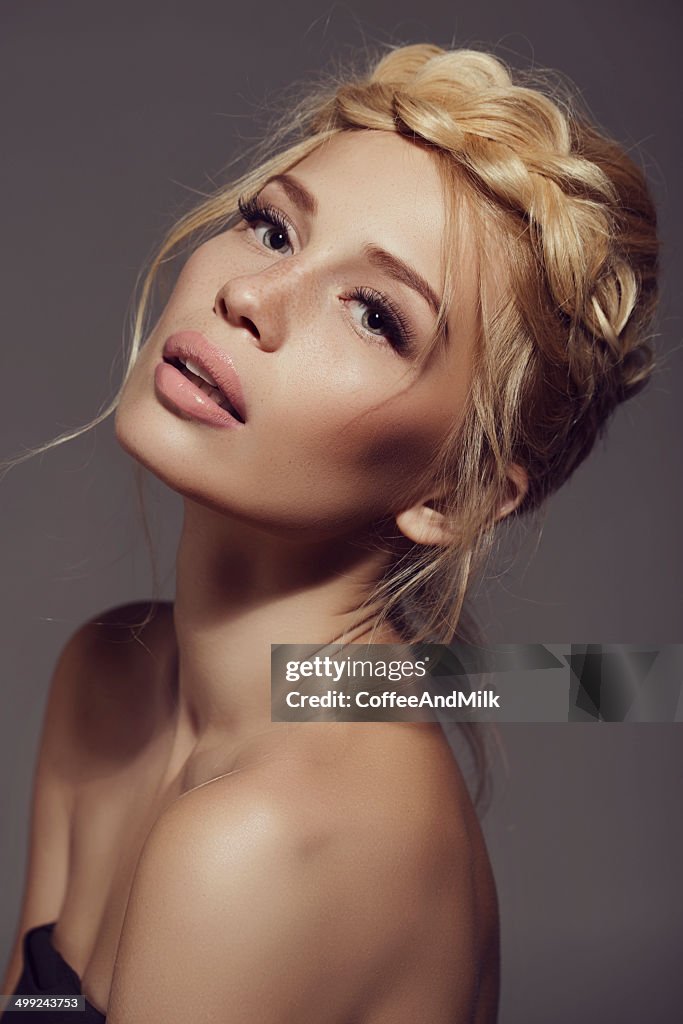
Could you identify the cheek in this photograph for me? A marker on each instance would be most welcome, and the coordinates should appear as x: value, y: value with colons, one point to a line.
x: 194, y: 291
x: 392, y: 448
x: 207, y: 263
x: 374, y: 458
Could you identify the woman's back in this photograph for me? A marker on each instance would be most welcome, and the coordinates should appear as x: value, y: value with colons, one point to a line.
x: 401, y: 858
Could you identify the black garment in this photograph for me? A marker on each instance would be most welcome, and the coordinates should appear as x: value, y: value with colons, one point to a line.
x: 46, y: 973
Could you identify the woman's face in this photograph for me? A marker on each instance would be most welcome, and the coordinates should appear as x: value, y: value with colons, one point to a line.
x: 323, y: 329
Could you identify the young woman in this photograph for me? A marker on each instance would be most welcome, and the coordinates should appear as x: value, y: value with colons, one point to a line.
x: 407, y: 324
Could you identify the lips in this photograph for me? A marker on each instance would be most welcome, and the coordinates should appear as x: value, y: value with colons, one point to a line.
x: 214, y: 365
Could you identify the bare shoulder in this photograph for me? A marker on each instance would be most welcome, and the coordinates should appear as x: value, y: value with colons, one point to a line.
x: 106, y: 689
x: 122, y: 636
x: 254, y: 889
x: 228, y: 916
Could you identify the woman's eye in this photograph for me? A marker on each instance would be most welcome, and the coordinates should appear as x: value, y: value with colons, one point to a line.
x: 369, y: 318
x: 272, y: 236
x: 268, y: 224
x: 375, y: 315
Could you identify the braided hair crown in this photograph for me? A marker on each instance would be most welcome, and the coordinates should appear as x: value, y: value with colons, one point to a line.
x: 571, y: 217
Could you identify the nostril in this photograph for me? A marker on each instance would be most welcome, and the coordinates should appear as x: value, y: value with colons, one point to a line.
x: 220, y: 308
x: 250, y: 326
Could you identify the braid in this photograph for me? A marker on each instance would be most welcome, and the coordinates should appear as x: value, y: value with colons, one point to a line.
x: 580, y: 228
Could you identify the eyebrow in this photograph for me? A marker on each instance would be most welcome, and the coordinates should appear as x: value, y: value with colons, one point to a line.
x: 299, y: 195
x: 378, y: 257
x: 404, y: 273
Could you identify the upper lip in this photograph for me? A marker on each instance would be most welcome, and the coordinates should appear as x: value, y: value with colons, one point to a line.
x: 193, y: 345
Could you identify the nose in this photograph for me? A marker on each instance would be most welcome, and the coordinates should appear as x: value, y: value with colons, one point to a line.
x: 258, y: 303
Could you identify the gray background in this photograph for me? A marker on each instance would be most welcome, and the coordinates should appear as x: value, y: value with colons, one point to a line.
x: 112, y: 115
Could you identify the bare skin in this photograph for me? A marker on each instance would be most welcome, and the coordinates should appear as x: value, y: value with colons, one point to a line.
x: 426, y: 887
x: 179, y: 788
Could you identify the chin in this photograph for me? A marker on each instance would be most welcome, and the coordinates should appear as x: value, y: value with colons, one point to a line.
x: 143, y: 430
x: 139, y: 429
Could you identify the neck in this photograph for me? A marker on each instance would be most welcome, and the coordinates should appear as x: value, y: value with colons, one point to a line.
x: 239, y: 590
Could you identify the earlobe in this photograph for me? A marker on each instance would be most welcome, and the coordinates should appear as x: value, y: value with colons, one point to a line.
x: 425, y: 525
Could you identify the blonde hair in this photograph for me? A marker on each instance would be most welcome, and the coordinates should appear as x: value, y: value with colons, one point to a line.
x: 563, y: 213
x: 566, y: 216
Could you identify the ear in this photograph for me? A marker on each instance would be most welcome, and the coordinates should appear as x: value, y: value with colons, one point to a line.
x: 518, y: 485
x: 424, y: 524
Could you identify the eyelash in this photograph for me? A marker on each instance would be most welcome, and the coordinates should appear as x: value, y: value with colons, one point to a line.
x: 252, y: 212
x: 399, y: 331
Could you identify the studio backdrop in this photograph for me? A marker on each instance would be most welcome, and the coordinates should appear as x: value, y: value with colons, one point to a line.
x: 113, y: 119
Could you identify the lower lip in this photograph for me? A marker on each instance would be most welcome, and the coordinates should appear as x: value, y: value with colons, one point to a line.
x: 186, y: 398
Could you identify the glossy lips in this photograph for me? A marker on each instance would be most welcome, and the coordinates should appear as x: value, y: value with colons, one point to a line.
x: 188, y: 397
